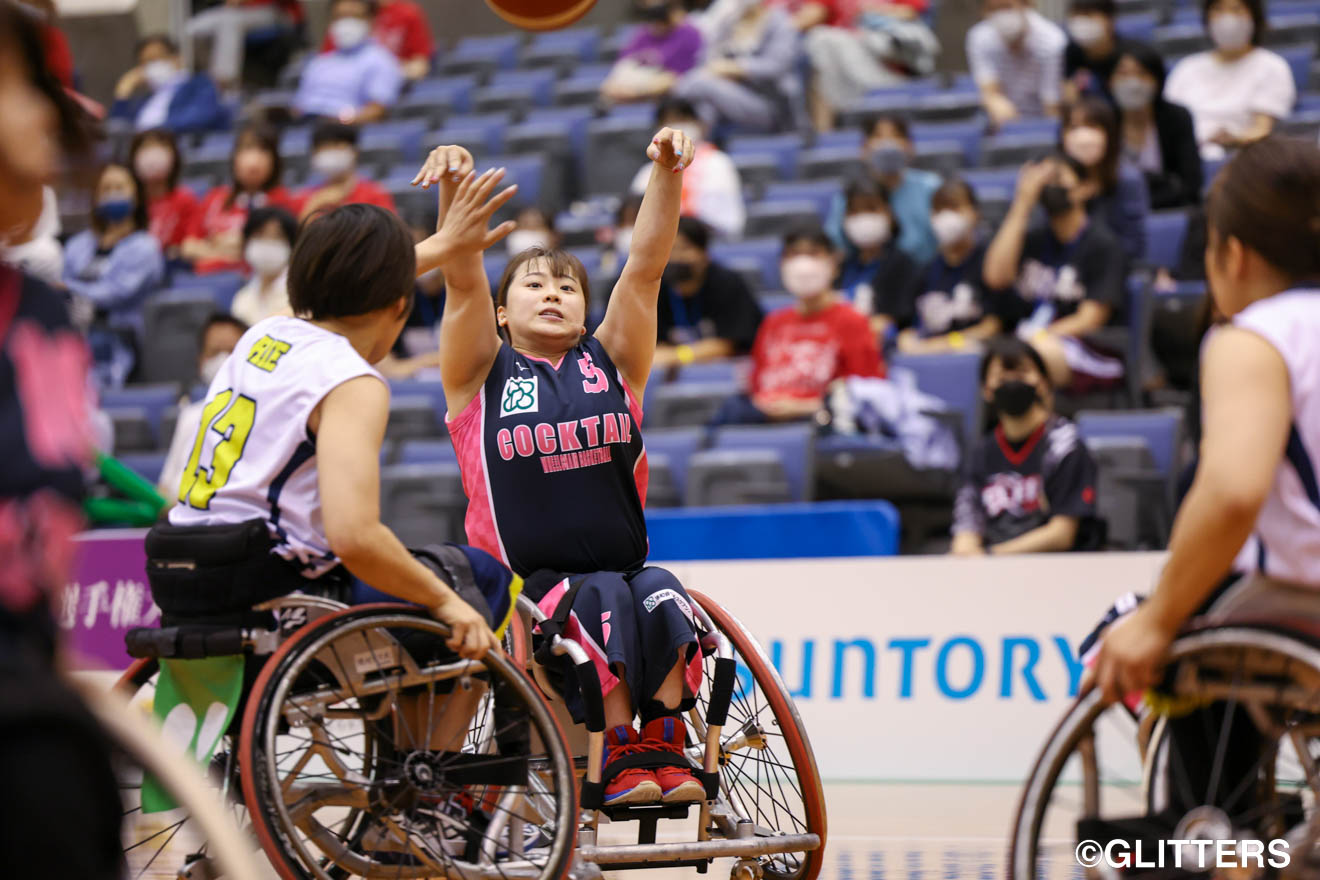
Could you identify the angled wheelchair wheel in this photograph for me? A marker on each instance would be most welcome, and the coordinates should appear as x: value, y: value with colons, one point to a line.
x: 201, y: 836
x: 1224, y: 749
x: 369, y: 750
x: 768, y: 772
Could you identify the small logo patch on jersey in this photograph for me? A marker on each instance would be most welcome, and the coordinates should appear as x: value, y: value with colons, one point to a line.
x: 266, y: 353
x: 652, y: 602
x: 520, y: 396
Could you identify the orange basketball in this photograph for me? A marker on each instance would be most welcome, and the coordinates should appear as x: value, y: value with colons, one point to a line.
x: 541, y: 15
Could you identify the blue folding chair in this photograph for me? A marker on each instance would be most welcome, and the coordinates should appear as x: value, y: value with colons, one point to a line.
x: 794, y: 443
x: 482, y: 133
x: 1165, y: 231
x: 677, y: 445
x: 764, y: 251
x: 968, y: 133
x: 426, y: 452
x: 953, y: 378
x: 785, y: 147
x: 820, y: 193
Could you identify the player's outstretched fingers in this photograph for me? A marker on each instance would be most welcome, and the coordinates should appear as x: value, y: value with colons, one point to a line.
x: 500, y: 199
x: 496, y: 235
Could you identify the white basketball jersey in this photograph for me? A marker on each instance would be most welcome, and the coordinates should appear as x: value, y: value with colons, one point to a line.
x: 1286, y: 542
x: 253, y: 455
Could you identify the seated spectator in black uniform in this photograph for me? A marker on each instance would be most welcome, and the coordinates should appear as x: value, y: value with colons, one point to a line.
x: 1093, y: 49
x: 706, y: 311
x: 1069, y: 276
x: 877, y: 276
x: 1029, y: 486
x: 953, y: 310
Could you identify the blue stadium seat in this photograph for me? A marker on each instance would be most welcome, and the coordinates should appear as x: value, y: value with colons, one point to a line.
x: 221, y: 286
x: 482, y: 55
x: 295, y: 140
x: 423, y: 503
x: 953, y: 378
x: 214, y: 142
x: 432, y: 98
x: 1137, y: 26
x: 677, y: 445
x: 198, y: 184
x: 968, y: 133
x: 526, y: 170
x: 756, y: 170
x: 1160, y: 428
x: 849, y: 138
x: 482, y: 134
x: 146, y: 465
x: 572, y: 120
x: 1042, y: 125
x: 1176, y: 40
x: 412, y: 416
x: 948, y: 106
x: 794, y: 444
x: 581, y: 86
x: 774, y: 218
x: 946, y: 158
x: 929, y: 85
x: 830, y: 162
x: 577, y: 44
x: 986, y: 181
x: 688, y: 404
x: 1015, y: 148
x: 1299, y: 61
x: 426, y: 452
x: 495, y: 260
x: 773, y: 302
x: 539, y: 84
x: 616, y: 148
x: 764, y: 250
x: 724, y: 477
x: 590, y: 255
x: 820, y: 193
x: 133, y: 431
x: 723, y: 370
x: 1165, y: 231
x: 152, y: 399
x: 431, y: 389
x: 406, y: 135
x: 785, y: 147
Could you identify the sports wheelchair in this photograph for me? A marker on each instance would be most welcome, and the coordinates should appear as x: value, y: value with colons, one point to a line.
x: 334, y: 775
x: 1225, y: 748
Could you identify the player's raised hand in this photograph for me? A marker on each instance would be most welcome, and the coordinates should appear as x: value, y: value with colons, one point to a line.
x: 671, y: 150
x: 465, y: 226
x: 449, y: 163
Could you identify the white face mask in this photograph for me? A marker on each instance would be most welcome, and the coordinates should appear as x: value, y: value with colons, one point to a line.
x: 1231, y: 31
x: 158, y: 73
x: 805, y: 275
x: 349, y: 33
x: 153, y: 163
x: 1086, y: 30
x: 623, y: 240
x: 950, y: 227
x: 1131, y: 93
x: 1086, y: 144
x: 207, y: 371
x: 333, y: 161
x: 867, y: 230
x: 521, y: 239
x: 1010, y: 23
x: 692, y: 129
x: 266, y: 256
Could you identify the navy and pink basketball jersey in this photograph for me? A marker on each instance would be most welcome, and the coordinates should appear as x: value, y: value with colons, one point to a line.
x: 553, y: 464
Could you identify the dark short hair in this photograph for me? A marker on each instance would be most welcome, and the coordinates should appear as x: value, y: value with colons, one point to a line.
x: 1268, y: 198
x: 162, y: 39
x: 162, y: 136
x: 1255, y: 8
x: 809, y: 233
x: 630, y: 206
x: 897, y: 120
x: 1107, y: 8
x: 695, y: 231
x: 953, y: 187
x: 267, y: 140
x: 259, y: 217
x: 351, y: 260
x: 1011, y: 352
x: 219, y: 319
x: 1150, y: 60
x: 328, y: 131
x: 140, y: 219
x: 671, y: 106
x: 21, y: 33
x: 561, y: 263
x: 1093, y: 110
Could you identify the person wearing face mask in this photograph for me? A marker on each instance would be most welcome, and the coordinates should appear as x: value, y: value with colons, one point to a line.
x: 953, y: 310
x: 1237, y: 91
x: 1029, y: 486
x: 160, y: 93
x: 1093, y: 49
x: 536, y: 229
x: 112, y: 267
x: 334, y: 162
x: 1113, y: 189
x: 712, y: 187
x: 268, y: 238
x: 802, y: 348
x: 360, y: 80
x: 1015, y: 55
x: 887, y: 152
x: 1069, y: 276
x: 214, y: 238
x: 1158, y: 136
x: 706, y: 311
x: 663, y: 47
x: 215, y: 341
x: 876, y: 276
x: 400, y: 26
x: 154, y: 155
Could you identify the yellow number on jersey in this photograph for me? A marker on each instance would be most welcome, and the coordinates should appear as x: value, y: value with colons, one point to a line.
x: 233, y: 423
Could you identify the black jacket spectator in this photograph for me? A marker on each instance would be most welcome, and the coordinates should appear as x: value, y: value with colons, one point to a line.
x: 1149, y: 122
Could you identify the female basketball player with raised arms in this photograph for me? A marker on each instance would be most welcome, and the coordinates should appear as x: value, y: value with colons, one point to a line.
x: 1256, y: 485
x: 545, y: 419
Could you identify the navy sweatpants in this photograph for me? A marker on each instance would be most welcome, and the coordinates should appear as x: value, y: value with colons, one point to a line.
x: 635, y: 627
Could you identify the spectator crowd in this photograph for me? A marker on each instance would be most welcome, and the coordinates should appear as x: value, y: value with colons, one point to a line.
x: 1009, y: 211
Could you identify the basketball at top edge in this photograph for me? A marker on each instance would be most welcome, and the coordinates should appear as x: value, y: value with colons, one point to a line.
x: 541, y: 15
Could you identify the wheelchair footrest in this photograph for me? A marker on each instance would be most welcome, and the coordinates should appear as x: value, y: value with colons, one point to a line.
x: 646, y: 812
x: 184, y: 642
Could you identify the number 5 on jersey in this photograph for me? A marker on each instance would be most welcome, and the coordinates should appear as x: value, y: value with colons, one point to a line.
x: 231, y: 417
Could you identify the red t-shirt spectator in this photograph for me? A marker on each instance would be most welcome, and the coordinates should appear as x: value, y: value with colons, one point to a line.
x: 170, y: 217
x: 401, y: 27
x: 366, y: 192
x: 214, y: 217
x: 797, y: 356
x: 59, y: 59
